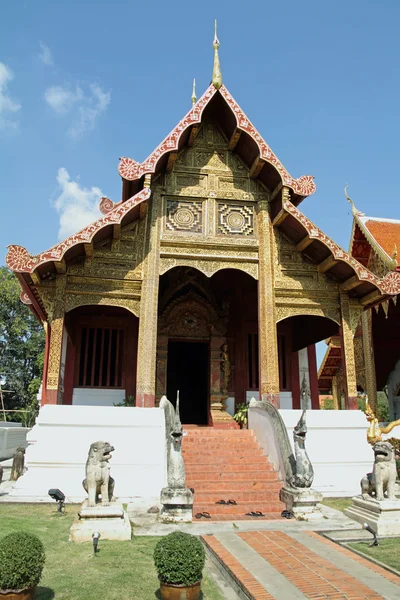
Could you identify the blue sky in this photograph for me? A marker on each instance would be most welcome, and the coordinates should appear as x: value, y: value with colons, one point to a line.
x: 83, y: 83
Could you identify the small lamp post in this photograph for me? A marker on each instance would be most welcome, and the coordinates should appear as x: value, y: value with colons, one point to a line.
x: 372, y: 532
x: 95, y: 536
x: 59, y: 497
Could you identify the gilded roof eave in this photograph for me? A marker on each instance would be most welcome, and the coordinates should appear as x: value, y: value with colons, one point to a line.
x: 19, y: 260
x: 131, y: 170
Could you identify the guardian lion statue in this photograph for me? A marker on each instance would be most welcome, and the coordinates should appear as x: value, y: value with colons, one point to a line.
x: 98, y: 480
x: 383, y: 477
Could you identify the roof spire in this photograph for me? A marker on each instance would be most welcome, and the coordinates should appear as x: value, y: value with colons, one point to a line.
x: 216, y: 75
x: 354, y: 211
x: 194, y: 97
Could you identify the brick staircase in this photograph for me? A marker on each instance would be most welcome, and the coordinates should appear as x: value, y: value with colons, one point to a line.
x: 224, y: 464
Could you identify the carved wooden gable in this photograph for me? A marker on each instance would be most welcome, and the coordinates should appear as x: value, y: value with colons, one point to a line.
x: 209, y: 191
x: 293, y: 271
x: 120, y: 256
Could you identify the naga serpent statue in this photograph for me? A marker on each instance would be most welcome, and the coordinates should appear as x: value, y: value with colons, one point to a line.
x: 304, y: 473
x: 374, y: 433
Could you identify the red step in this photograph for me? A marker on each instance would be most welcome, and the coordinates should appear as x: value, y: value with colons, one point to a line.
x: 229, y: 464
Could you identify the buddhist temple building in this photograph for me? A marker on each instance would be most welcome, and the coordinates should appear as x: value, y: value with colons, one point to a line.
x: 206, y: 277
x: 374, y: 242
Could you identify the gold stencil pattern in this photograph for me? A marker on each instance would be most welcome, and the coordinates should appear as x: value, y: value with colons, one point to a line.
x: 184, y: 216
x: 235, y: 219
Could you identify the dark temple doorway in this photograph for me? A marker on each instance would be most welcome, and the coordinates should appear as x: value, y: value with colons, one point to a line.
x: 187, y: 372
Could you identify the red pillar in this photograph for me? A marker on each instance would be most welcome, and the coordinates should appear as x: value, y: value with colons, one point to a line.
x: 313, y: 375
x: 295, y: 380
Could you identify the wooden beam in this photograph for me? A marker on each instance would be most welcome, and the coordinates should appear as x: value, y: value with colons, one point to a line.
x: 304, y: 243
x: 280, y: 217
x: 327, y: 264
x: 35, y: 278
x: 171, y: 161
x: 193, y: 134
x: 371, y: 298
x: 276, y: 191
x: 143, y: 206
x: 88, y: 251
x: 235, y: 137
x: 351, y: 283
x: 116, y: 232
x: 256, y: 167
x: 61, y: 266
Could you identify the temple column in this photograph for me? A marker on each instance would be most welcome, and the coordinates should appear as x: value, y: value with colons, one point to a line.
x: 267, y: 334
x: 349, y: 363
x: 369, y: 358
x: 53, y: 382
x: 147, y: 338
x: 335, y: 394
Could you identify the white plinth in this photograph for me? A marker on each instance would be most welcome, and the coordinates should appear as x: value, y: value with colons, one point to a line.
x: 177, y: 505
x: 382, y: 516
x: 303, y: 503
x: 112, y: 522
x: 59, y: 444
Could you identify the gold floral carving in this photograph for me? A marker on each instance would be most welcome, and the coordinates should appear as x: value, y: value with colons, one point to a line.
x: 348, y: 345
x: 286, y: 311
x: 269, y: 367
x: 74, y: 300
x: 191, y: 316
x: 208, y: 267
x: 369, y: 359
x: 56, y: 333
x: 147, y: 337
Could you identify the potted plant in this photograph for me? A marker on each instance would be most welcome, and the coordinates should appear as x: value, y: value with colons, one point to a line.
x: 179, y: 559
x: 21, y: 564
x: 240, y: 415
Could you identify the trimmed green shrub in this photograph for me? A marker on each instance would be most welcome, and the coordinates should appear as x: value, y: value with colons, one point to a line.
x: 179, y: 558
x: 21, y: 561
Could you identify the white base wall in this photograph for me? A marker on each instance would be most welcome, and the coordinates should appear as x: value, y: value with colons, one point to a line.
x: 337, y: 446
x: 59, y: 444
x: 12, y: 436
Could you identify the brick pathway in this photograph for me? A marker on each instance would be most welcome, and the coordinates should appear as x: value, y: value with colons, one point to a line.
x: 295, y: 565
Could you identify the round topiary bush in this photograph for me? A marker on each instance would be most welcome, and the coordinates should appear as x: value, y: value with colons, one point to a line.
x: 179, y: 558
x: 21, y: 561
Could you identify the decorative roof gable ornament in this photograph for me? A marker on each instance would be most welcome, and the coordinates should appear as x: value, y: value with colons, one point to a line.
x: 194, y: 97
x: 216, y: 79
x: 354, y: 211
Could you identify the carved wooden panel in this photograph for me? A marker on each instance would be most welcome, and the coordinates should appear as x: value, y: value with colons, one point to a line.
x: 184, y: 216
x: 235, y: 219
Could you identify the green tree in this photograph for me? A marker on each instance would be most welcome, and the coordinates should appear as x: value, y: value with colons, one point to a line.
x: 21, y: 349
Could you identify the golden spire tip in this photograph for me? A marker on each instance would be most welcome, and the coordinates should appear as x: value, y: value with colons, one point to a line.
x: 216, y: 75
x: 194, y: 97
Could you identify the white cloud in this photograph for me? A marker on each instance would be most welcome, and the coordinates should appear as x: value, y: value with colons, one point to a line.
x: 46, y: 55
x: 61, y: 99
x: 85, y: 107
x: 76, y: 205
x: 7, y: 105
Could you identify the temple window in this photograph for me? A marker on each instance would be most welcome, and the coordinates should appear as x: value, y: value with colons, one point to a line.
x: 100, y: 358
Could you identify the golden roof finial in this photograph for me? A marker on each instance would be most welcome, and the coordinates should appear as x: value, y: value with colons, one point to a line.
x: 216, y: 75
x: 354, y: 211
x: 194, y: 97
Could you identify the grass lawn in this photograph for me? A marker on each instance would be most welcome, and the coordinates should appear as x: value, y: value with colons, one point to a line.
x: 388, y: 551
x: 338, y: 503
x: 120, y: 571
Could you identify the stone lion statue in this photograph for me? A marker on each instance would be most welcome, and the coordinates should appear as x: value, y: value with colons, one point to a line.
x: 98, y: 480
x: 383, y: 477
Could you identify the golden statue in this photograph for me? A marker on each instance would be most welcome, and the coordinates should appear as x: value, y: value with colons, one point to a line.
x: 225, y: 367
x: 374, y: 433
